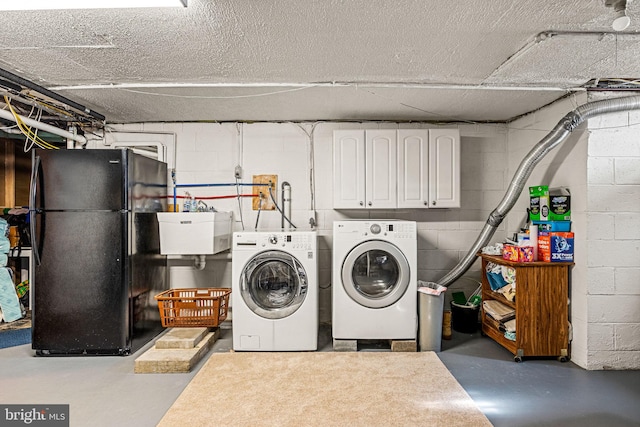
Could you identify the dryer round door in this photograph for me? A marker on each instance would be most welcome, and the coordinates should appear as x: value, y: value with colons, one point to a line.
x: 273, y: 284
x: 375, y: 274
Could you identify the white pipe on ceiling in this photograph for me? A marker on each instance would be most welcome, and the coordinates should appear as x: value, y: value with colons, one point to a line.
x: 43, y: 126
x: 298, y: 85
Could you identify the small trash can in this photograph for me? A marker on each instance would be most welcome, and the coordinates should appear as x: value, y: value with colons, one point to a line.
x: 430, y: 311
x: 464, y: 318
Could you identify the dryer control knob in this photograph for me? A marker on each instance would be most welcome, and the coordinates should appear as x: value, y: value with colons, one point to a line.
x: 273, y: 239
x: 375, y: 229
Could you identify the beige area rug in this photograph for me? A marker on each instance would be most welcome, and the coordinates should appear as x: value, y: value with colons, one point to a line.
x: 324, y: 389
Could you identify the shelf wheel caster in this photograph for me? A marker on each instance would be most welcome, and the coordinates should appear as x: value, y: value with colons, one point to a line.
x: 518, y: 359
x: 563, y: 359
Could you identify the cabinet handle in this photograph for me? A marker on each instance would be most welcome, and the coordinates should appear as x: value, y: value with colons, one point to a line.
x: 361, y: 203
x: 426, y: 203
x: 369, y: 203
x: 433, y: 203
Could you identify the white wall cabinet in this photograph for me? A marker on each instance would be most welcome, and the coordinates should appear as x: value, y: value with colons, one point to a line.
x: 380, y: 168
x: 348, y: 169
x: 364, y: 169
x: 386, y: 169
x: 428, y: 168
x: 413, y: 168
x: 444, y: 168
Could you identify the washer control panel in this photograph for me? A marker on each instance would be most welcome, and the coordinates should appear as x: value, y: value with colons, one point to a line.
x: 396, y: 229
x: 300, y: 240
x: 292, y: 241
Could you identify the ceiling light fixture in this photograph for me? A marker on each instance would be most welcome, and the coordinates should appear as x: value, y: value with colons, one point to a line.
x: 621, y: 21
x: 84, y: 4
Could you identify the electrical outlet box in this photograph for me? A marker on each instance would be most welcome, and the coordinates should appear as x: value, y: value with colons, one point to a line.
x: 238, y: 172
x: 266, y: 204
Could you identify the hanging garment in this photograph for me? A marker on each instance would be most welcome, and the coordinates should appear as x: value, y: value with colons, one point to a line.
x: 9, y: 303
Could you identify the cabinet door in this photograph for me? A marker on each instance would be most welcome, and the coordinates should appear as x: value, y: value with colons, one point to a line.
x: 444, y: 168
x: 381, y: 168
x: 413, y: 168
x: 348, y: 169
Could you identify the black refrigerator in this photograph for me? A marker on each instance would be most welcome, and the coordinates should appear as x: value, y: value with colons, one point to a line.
x: 96, y: 249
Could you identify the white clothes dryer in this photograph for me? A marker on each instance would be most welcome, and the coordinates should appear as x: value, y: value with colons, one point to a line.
x: 374, y: 279
x: 275, y: 291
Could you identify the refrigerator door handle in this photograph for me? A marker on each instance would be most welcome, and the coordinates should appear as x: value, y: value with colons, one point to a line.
x: 32, y: 209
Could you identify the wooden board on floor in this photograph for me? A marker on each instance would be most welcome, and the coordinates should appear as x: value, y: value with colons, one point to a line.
x: 394, y: 345
x: 181, y: 338
x: 174, y: 360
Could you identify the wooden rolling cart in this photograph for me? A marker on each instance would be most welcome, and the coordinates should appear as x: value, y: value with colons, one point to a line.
x: 541, y: 306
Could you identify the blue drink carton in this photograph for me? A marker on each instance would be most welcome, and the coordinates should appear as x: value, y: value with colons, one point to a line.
x: 555, y: 246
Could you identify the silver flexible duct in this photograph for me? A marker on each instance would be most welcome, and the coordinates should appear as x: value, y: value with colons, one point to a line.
x: 559, y: 133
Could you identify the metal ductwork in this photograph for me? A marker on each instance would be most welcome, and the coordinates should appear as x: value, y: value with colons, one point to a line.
x: 554, y: 138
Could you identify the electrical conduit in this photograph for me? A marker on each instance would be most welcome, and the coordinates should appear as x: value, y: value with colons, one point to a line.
x: 43, y: 126
x: 558, y: 135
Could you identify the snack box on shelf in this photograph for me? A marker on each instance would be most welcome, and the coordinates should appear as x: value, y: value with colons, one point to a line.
x: 517, y: 253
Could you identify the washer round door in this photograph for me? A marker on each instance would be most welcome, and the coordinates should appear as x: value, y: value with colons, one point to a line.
x: 273, y: 284
x: 375, y: 274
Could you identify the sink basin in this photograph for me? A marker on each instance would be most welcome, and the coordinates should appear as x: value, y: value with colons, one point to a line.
x: 194, y: 233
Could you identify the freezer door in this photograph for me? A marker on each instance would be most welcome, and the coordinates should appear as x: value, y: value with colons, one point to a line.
x: 80, y: 179
x: 146, y: 183
x: 81, y: 284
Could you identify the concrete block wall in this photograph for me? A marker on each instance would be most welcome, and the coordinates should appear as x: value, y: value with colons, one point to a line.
x: 603, y: 179
x: 599, y: 163
x: 564, y: 166
x: 613, y: 241
x: 297, y: 152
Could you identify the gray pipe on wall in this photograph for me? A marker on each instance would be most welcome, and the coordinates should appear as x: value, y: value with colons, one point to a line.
x: 558, y: 135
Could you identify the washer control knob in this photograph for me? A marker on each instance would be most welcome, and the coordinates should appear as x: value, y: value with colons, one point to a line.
x: 273, y: 239
x: 375, y: 229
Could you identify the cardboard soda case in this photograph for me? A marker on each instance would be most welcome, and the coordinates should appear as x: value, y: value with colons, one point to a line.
x: 553, y: 225
x: 555, y: 246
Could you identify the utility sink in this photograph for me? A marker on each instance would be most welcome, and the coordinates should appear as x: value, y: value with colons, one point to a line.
x: 194, y: 233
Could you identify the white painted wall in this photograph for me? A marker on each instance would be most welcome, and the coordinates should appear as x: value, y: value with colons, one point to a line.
x: 603, y: 178
x: 209, y: 152
x: 565, y: 166
x: 600, y: 163
x: 613, y: 241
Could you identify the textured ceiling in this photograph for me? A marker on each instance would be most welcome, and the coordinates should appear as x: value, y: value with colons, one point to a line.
x: 321, y: 59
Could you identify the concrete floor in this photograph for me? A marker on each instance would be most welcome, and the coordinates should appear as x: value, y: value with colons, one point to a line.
x: 540, y: 392
x: 104, y: 391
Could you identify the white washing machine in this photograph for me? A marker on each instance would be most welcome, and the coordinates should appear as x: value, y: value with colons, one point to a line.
x: 374, y: 279
x: 275, y: 291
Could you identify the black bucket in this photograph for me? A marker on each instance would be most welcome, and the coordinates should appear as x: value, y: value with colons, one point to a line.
x: 464, y: 318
